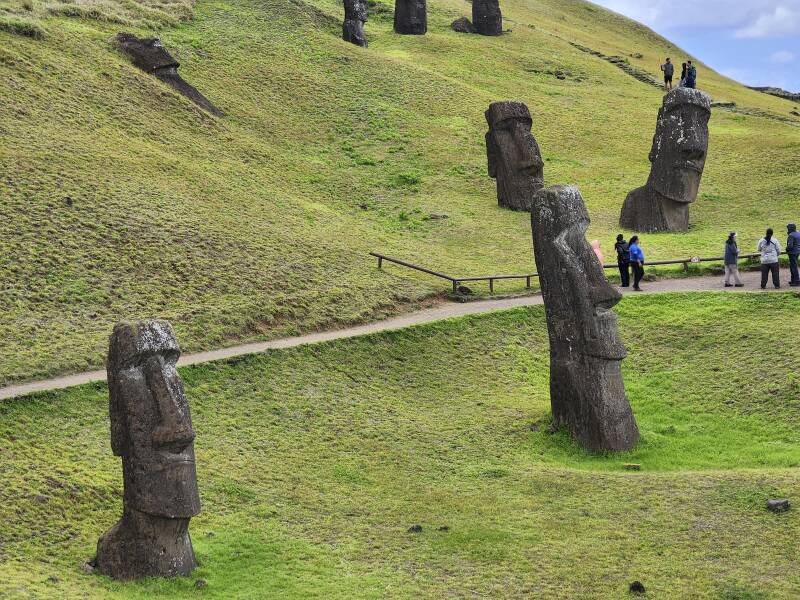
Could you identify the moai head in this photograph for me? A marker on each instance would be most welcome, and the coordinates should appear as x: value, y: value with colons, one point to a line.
x: 355, y: 15
x: 151, y: 428
x: 146, y: 53
x: 486, y: 17
x: 515, y: 160
x: 680, y: 145
x: 587, y: 393
x: 411, y: 17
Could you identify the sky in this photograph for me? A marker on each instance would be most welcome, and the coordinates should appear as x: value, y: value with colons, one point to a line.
x: 756, y: 42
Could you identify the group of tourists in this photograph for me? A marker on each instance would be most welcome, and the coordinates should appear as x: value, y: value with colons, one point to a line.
x: 688, y: 74
x: 630, y: 257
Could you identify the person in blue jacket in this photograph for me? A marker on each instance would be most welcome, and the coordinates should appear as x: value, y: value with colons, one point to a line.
x: 637, y: 262
x: 793, y: 250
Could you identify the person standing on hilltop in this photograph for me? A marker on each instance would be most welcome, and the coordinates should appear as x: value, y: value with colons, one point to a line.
x: 682, y: 82
x: 691, y: 75
x: 669, y: 70
x: 793, y: 250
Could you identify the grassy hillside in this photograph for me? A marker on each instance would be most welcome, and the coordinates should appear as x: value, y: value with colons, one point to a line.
x: 120, y: 199
x: 314, y: 462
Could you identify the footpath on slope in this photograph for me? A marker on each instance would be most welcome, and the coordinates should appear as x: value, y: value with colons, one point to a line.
x: 429, y: 315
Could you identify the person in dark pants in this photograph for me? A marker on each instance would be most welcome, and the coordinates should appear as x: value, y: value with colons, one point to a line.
x: 669, y: 70
x: 793, y: 250
x: 623, y: 261
x: 770, y: 249
x: 637, y: 262
x: 691, y: 75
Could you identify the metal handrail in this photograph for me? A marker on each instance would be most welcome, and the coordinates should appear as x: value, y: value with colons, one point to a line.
x: 456, y: 281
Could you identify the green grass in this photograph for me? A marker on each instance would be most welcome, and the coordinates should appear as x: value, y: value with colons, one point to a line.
x: 314, y: 462
x: 121, y: 199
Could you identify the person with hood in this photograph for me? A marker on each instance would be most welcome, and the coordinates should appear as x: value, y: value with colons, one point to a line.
x: 637, y: 262
x: 770, y: 249
x: 793, y: 250
x: 732, y: 261
x: 623, y: 261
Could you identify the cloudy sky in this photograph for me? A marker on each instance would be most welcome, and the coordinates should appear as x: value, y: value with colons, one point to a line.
x: 754, y: 41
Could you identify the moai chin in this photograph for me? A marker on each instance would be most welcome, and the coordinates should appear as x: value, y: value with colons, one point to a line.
x: 151, y: 429
x: 513, y: 154
x: 411, y: 17
x: 678, y: 158
x: 486, y: 17
x: 355, y: 15
x: 587, y: 393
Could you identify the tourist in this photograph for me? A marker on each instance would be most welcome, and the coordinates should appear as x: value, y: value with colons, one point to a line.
x: 623, y: 261
x: 770, y: 249
x: 691, y: 75
x: 637, y: 262
x: 669, y: 70
x: 793, y: 250
x: 732, y: 261
x: 682, y: 82
x: 598, y: 253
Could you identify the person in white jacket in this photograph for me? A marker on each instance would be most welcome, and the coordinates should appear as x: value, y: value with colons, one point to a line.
x: 770, y: 249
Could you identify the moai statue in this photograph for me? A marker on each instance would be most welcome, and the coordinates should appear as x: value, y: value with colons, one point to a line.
x: 486, y: 17
x: 151, y: 57
x: 515, y: 160
x: 678, y: 158
x: 411, y: 17
x: 355, y: 15
x: 151, y: 430
x: 587, y: 393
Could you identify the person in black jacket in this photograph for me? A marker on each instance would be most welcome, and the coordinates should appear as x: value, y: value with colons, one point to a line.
x: 793, y: 250
x: 623, y: 260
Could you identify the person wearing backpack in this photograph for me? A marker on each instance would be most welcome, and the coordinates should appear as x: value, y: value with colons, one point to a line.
x: 793, y: 250
x: 623, y: 261
x: 682, y: 82
x: 732, y: 261
x: 691, y: 75
x: 770, y: 249
x: 669, y: 71
x: 637, y: 262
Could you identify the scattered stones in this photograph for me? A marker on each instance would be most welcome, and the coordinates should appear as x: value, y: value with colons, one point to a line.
x: 534, y: 427
x: 151, y: 57
x: 438, y: 217
x: 463, y: 25
x: 632, y: 467
x: 486, y: 17
x: 151, y: 429
x: 53, y: 579
x: 355, y: 15
x: 415, y: 529
x: 637, y: 588
x: 68, y: 201
x: 781, y: 505
x: 678, y: 158
x: 513, y: 155
x: 201, y: 584
x: 587, y: 393
x: 89, y: 566
x: 411, y: 17
x: 464, y: 290
x: 622, y: 63
x: 443, y: 528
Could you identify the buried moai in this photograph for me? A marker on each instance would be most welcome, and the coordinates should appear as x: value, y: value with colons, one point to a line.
x: 411, y: 17
x: 513, y: 154
x: 587, y: 394
x: 678, y: 157
x: 486, y: 17
x: 151, y: 429
x: 151, y: 57
x: 355, y: 15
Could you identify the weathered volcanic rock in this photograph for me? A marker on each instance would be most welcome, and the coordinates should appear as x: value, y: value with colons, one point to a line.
x: 486, y: 17
x: 411, y: 17
x: 462, y: 25
x: 587, y: 394
x: 150, y: 56
x: 355, y: 15
x: 678, y: 158
x: 513, y: 154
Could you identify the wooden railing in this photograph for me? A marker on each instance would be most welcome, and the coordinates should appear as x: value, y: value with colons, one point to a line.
x: 457, y: 281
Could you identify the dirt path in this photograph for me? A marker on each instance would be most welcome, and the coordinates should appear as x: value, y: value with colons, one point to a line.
x: 445, y: 311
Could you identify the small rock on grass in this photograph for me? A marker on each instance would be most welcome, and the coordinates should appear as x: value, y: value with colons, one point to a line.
x: 637, y: 588
x: 201, y: 584
x: 632, y: 467
x: 415, y: 529
x: 779, y: 505
x: 444, y: 528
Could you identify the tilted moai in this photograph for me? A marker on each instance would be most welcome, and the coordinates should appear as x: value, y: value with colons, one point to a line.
x: 151, y: 57
x: 678, y: 158
x: 355, y: 15
x: 515, y: 160
x: 587, y: 393
x: 151, y: 429
x: 486, y: 17
x: 411, y: 17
